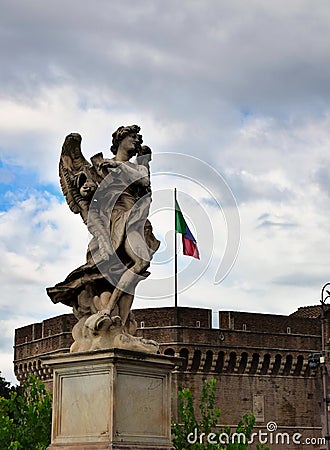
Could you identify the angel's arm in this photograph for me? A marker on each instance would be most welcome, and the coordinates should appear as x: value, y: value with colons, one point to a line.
x: 103, y: 166
x: 144, y: 156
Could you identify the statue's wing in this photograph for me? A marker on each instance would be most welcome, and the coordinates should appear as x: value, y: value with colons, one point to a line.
x: 72, y: 163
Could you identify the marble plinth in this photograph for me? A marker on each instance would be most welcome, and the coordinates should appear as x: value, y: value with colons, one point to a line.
x: 111, y: 399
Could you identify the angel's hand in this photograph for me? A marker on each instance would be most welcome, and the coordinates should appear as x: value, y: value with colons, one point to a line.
x: 145, y: 150
x: 109, y: 163
x: 144, y: 156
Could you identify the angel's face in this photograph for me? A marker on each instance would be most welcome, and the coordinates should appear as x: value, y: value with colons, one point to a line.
x: 130, y: 143
x: 87, y: 189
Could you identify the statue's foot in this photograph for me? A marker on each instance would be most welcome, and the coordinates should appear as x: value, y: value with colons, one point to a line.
x: 98, y: 321
x: 126, y: 341
x: 100, y: 331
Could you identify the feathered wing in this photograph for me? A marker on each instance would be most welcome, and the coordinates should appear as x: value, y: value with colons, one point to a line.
x: 72, y: 163
x: 74, y: 170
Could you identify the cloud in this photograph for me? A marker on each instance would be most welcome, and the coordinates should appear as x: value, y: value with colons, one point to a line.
x: 265, y: 220
x: 299, y: 279
x: 236, y: 53
x: 243, y: 86
x: 56, y: 113
x: 251, y: 186
x: 31, y: 260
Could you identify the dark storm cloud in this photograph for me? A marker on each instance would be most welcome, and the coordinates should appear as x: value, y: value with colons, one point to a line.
x: 193, y: 58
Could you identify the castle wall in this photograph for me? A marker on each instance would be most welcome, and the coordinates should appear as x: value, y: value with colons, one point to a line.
x: 260, y: 361
x: 268, y: 323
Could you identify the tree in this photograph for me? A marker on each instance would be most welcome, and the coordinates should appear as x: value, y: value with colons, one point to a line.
x: 191, y: 434
x: 25, y: 417
x: 5, y: 388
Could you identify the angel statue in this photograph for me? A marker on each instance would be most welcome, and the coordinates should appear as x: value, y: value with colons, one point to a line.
x: 113, y: 197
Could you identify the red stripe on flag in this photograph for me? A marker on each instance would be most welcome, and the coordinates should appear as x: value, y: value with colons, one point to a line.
x: 189, y: 248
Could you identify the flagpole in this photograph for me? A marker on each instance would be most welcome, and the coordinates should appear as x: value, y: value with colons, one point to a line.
x: 175, y: 256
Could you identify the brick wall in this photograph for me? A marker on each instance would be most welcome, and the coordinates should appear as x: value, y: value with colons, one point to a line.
x: 191, y: 317
x: 268, y: 323
x: 294, y: 404
x: 262, y: 360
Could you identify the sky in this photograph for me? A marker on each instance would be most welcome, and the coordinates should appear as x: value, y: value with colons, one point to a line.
x: 233, y: 98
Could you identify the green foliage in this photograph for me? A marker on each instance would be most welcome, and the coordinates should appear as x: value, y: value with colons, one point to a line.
x: 25, y: 417
x: 189, y: 426
x: 5, y: 388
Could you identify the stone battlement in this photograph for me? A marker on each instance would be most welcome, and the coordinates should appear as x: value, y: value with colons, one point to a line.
x: 245, y: 343
x: 260, y: 361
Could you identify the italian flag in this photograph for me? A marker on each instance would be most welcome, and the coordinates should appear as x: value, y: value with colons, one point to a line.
x: 188, y: 241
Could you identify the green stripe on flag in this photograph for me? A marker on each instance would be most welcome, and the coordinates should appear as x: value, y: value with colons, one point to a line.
x: 180, y: 223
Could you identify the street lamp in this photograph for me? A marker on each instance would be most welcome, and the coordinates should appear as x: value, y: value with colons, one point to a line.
x: 325, y: 294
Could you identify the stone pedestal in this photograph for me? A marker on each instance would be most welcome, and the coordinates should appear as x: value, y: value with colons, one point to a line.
x: 111, y: 399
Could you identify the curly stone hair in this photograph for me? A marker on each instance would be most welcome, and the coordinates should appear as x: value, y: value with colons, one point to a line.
x: 121, y: 133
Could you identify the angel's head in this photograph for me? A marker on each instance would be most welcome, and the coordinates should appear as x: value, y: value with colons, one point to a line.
x: 128, y: 136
